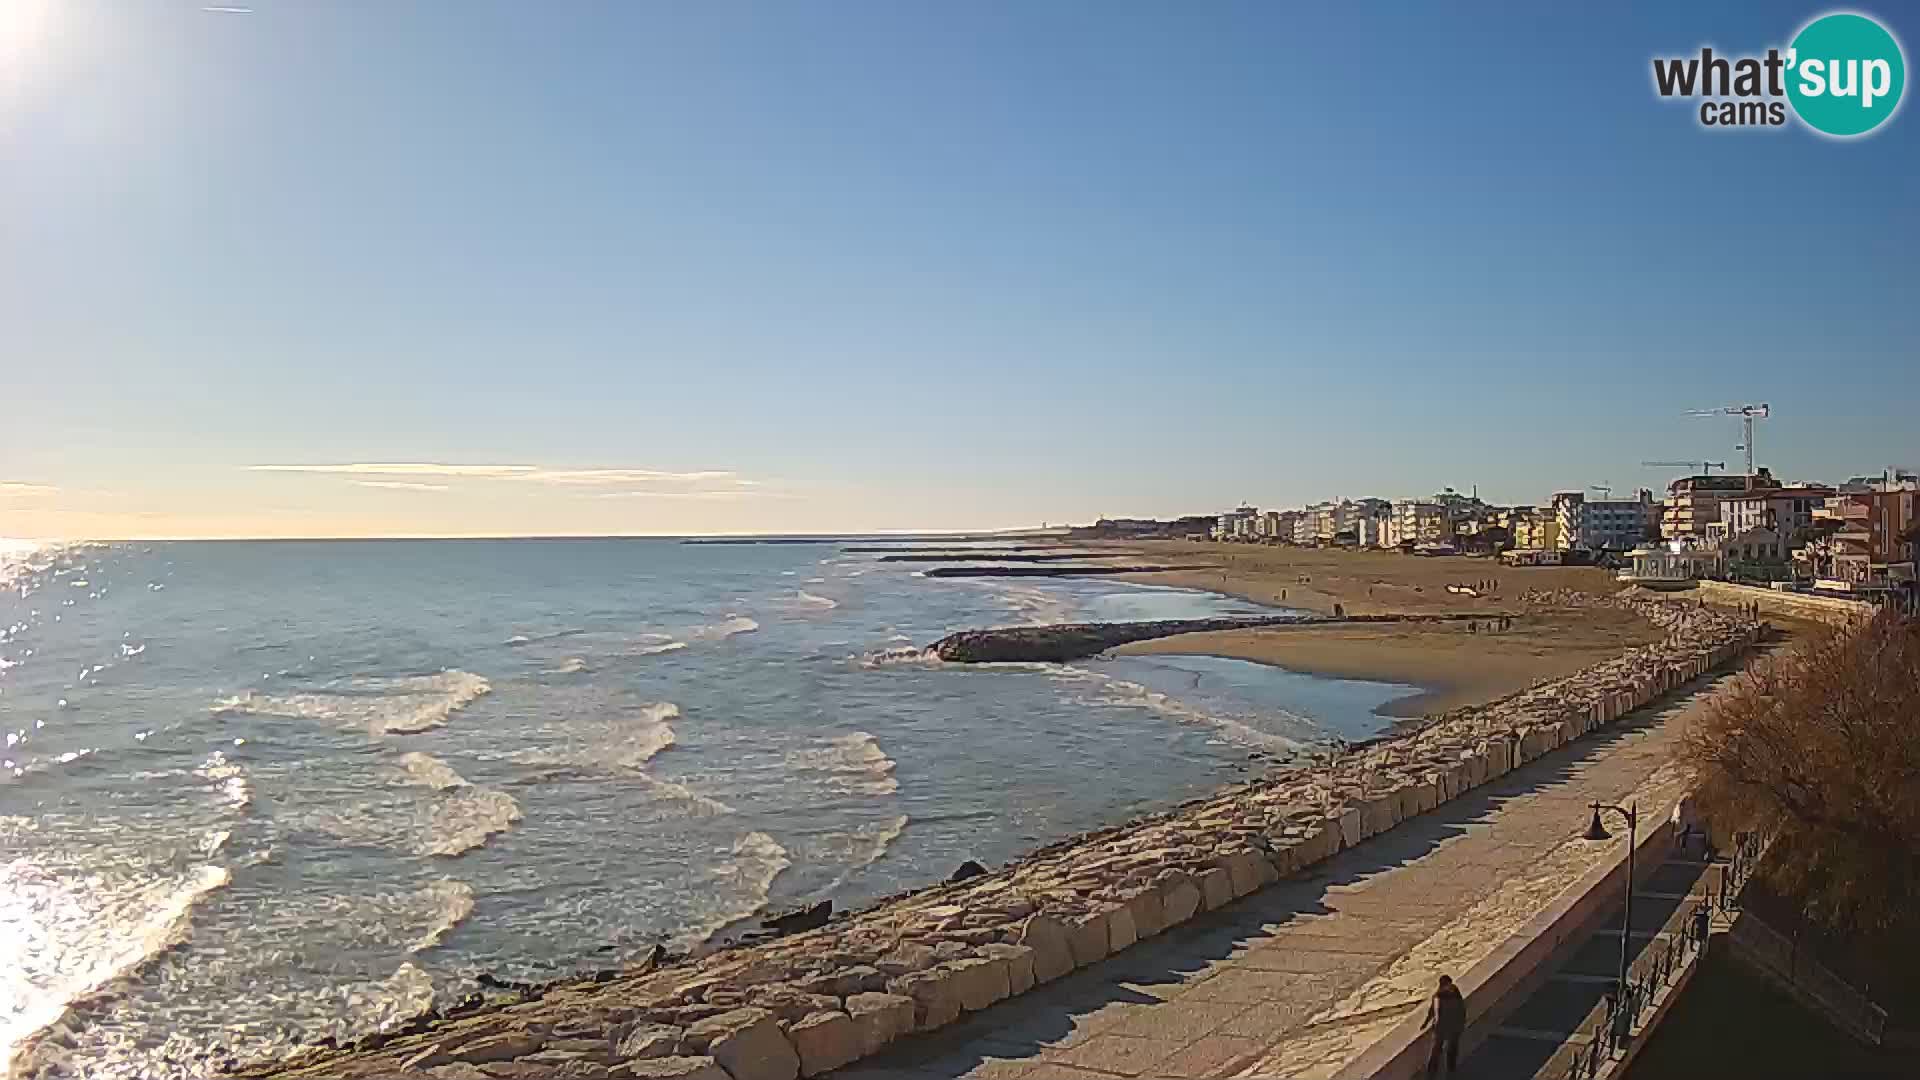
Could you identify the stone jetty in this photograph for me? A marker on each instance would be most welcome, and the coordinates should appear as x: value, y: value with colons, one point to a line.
x: 1051, y: 571
x: 1061, y: 642
x: 804, y: 1004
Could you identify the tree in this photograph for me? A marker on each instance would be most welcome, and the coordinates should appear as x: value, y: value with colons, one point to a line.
x: 1820, y: 748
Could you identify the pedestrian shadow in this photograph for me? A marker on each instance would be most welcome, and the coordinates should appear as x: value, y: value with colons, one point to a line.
x: 1075, y: 1007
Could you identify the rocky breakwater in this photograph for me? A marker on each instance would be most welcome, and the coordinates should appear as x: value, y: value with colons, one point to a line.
x: 1062, y: 642
x: 811, y: 1002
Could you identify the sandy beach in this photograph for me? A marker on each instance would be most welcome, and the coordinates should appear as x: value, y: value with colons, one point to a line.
x: 1456, y: 664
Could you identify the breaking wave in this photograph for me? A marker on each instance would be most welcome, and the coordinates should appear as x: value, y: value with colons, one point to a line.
x: 854, y: 764
x: 1115, y: 691
x: 811, y: 600
x: 620, y: 743
x: 72, y: 939
x: 451, y: 902
x: 379, y: 705
x: 905, y: 656
x: 551, y: 635
x: 726, y: 628
x: 742, y: 882
x: 572, y: 665
x: 655, y: 650
x: 430, y: 771
x: 466, y: 819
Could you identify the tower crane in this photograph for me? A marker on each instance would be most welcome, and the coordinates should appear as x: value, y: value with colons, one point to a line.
x: 1747, y: 414
x: 1705, y: 468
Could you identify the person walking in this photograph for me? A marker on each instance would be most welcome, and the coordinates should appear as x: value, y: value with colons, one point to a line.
x: 1447, y: 1016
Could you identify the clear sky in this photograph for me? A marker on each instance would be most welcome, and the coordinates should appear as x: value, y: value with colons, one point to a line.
x: 528, y: 267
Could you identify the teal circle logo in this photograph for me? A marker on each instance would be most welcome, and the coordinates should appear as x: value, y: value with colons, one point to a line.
x: 1845, y: 74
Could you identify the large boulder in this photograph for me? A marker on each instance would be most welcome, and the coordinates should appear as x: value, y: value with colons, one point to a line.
x: 979, y: 980
x: 1087, y: 937
x: 671, y: 1068
x: 1052, y: 954
x: 646, y: 1040
x: 747, y: 1043
x: 1216, y: 888
x: 825, y: 1041
x: 1179, y: 898
x: 936, y: 998
x: 879, y: 1019
x: 1019, y: 961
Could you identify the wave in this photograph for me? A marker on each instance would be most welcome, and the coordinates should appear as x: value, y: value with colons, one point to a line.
x: 551, y: 635
x: 856, y: 849
x: 572, y: 665
x: 431, y: 771
x: 698, y: 805
x: 655, y: 650
x: 379, y: 705
x: 909, y: 656
x: 466, y: 820
x: 451, y: 902
x: 726, y: 628
x: 227, y: 779
x: 854, y: 764
x: 811, y: 600
x: 1127, y: 694
x: 742, y: 883
x: 108, y: 938
x: 620, y: 743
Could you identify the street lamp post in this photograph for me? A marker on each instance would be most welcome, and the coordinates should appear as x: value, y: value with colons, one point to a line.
x: 1598, y: 831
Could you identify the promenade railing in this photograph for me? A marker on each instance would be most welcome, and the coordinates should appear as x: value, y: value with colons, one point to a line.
x: 1608, y: 1029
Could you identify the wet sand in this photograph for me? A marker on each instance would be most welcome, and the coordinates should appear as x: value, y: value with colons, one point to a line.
x: 1453, y: 664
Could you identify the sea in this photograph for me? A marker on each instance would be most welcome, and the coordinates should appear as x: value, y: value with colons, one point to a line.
x: 254, y: 794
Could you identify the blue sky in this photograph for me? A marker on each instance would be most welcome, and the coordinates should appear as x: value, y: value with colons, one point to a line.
x: 742, y: 267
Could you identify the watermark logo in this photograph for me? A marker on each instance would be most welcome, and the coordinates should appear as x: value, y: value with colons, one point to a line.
x: 1843, y: 75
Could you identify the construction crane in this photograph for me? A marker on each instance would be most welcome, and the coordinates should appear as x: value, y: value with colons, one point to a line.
x: 1747, y: 414
x: 1705, y: 468
x: 1605, y: 490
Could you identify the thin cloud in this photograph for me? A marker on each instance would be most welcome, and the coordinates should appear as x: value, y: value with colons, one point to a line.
x: 13, y: 490
x: 400, y: 485
x: 217, y: 10
x: 731, y: 493
x: 402, y: 468
x: 633, y: 476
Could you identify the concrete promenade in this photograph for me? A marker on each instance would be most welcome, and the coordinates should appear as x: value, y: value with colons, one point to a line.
x: 1299, y: 979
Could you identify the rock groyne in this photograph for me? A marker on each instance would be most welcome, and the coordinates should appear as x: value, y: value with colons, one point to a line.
x: 811, y: 1002
x: 1062, y: 642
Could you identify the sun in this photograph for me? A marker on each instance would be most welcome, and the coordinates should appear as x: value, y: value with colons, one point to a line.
x: 26, y: 26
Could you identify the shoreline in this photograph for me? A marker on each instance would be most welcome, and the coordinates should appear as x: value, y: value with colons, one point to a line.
x: 917, y: 961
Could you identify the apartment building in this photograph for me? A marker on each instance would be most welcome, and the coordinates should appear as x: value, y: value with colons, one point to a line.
x: 1604, y: 524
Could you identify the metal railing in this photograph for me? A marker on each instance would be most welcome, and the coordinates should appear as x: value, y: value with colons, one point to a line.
x: 1784, y: 958
x: 1608, y: 1028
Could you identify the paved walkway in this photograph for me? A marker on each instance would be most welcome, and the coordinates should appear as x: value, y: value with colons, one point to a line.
x: 1298, y: 979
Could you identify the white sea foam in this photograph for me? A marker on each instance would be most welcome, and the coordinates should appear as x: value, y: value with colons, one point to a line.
x: 856, y: 849
x: 694, y: 803
x: 228, y: 779
x: 623, y: 742
x: 811, y: 600
x: 741, y: 880
x: 465, y: 819
x: 853, y: 764
x: 726, y: 628
x: 450, y: 902
x: 72, y: 935
x: 1115, y: 691
x: 379, y: 705
x: 655, y: 650
x: 551, y: 635
x: 430, y: 771
x: 572, y: 665
x: 907, y: 656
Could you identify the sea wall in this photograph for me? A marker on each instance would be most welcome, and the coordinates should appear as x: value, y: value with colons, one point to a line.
x: 1830, y: 609
x: 1062, y: 642
x: 805, y: 1004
